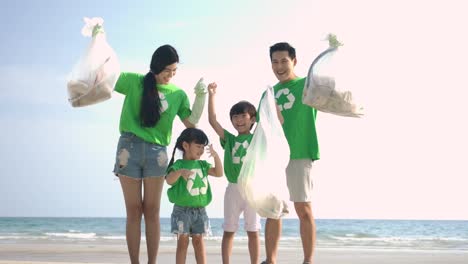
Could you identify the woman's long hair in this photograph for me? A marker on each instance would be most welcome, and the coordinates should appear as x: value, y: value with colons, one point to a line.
x: 150, y: 111
x: 189, y: 135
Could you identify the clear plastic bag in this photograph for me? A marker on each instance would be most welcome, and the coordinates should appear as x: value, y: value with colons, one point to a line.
x: 262, y: 179
x: 93, y: 77
x: 321, y: 90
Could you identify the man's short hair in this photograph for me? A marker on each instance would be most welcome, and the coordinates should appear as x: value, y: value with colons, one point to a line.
x: 283, y: 46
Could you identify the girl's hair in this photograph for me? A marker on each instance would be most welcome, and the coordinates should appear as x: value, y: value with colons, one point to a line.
x: 150, y: 111
x: 189, y: 135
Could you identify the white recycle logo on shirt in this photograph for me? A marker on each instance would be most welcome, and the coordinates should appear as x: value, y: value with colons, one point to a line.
x: 164, y: 103
x: 289, y: 96
x: 191, y: 180
x: 237, y: 159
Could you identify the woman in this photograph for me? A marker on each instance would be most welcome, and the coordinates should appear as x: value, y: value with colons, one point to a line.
x: 150, y: 107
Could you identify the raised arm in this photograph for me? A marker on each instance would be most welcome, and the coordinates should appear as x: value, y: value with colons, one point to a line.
x: 212, y: 112
x: 217, y: 170
x: 198, y: 105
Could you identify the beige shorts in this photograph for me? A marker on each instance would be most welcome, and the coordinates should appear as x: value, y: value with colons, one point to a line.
x: 299, y: 180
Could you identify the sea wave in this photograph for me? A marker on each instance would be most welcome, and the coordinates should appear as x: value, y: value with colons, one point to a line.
x: 73, y: 235
x: 341, y: 234
x: 394, y: 242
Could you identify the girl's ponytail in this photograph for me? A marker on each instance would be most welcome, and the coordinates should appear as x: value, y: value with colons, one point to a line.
x: 172, y: 158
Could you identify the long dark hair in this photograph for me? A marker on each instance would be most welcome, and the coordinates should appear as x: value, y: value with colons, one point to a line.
x: 150, y: 111
x: 189, y: 135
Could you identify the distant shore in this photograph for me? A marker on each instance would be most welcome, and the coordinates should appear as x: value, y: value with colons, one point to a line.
x: 38, y: 253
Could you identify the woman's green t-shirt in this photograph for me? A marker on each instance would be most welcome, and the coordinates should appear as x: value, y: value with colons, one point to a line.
x: 174, y: 101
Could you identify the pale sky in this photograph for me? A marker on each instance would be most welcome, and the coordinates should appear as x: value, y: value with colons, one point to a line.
x: 405, y: 61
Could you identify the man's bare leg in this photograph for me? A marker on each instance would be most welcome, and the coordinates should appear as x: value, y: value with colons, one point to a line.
x: 272, y: 237
x: 307, y: 229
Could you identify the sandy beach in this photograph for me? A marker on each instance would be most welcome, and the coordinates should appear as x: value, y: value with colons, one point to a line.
x: 24, y: 253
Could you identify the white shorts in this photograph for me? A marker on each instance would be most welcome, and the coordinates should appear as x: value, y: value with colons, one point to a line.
x: 234, y: 205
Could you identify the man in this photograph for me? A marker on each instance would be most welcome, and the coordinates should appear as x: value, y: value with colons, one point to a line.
x: 300, y: 132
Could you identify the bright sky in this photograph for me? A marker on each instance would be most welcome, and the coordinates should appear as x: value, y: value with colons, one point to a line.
x: 406, y: 159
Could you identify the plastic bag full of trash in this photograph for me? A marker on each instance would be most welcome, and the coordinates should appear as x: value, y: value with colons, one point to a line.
x: 262, y: 179
x: 93, y: 77
x: 322, y: 90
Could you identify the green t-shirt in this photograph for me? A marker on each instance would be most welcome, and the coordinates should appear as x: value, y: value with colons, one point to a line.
x: 235, y: 149
x: 196, y: 191
x: 299, y: 120
x: 174, y: 101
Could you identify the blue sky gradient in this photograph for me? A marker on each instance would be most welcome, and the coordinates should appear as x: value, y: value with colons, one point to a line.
x: 406, y: 59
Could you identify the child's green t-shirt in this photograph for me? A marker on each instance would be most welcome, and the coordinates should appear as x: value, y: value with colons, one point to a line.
x: 235, y: 149
x: 194, y: 192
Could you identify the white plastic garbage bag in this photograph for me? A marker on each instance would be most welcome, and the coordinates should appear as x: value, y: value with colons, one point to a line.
x: 93, y: 77
x: 321, y: 90
x: 262, y: 179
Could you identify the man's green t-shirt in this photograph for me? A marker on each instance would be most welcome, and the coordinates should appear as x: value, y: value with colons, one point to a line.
x: 235, y: 149
x: 299, y: 120
x: 174, y: 101
x: 194, y: 192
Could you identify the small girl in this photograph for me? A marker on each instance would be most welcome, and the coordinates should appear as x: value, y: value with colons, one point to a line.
x: 190, y: 192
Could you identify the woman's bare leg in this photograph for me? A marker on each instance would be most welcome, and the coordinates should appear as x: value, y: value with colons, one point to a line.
x: 134, y: 206
x: 151, y: 203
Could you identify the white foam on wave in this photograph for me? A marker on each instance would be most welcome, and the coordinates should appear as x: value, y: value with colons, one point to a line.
x: 113, y: 237
x: 73, y: 235
x: 22, y: 237
x: 397, y: 239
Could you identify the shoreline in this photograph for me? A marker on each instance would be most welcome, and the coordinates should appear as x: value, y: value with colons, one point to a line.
x: 38, y: 253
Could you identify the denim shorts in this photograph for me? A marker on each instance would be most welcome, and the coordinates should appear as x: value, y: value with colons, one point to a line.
x: 188, y: 220
x: 139, y: 159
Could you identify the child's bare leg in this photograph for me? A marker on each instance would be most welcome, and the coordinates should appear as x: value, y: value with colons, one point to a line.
x: 226, y: 246
x: 182, y: 246
x: 199, y: 248
x: 254, y: 246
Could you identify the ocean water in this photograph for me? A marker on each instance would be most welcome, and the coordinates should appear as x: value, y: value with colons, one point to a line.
x: 331, y: 233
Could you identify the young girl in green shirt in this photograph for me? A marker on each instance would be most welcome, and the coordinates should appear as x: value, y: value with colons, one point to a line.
x: 190, y: 192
